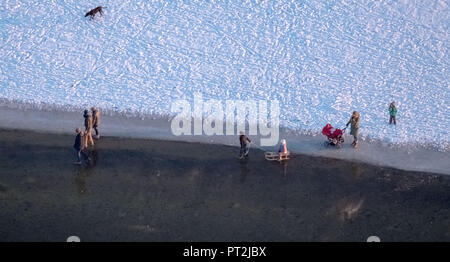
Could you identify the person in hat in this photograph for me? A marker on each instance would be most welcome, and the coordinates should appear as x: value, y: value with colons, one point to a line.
x: 88, y: 128
x: 244, y: 141
x: 392, y: 113
x: 354, y: 121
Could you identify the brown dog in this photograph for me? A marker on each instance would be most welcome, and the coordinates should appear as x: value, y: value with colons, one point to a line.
x: 98, y: 9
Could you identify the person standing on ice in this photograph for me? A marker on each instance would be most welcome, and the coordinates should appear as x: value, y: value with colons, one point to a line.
x: 244, y: 141
x: 354, y: 121
x: 79, y: 146
x: 96, y: 121
x: 392, y: 113
x: 88, y: 126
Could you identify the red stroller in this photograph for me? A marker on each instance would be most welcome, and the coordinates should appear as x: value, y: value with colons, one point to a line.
x: 334, y: 135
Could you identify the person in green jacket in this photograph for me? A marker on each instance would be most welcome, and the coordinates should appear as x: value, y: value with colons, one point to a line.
x: 392, y: 113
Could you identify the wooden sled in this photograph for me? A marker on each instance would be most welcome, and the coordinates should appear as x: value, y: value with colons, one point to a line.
x: 274, y: 156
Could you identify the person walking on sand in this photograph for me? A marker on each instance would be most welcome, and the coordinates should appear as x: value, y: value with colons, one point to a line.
x: 392, y: 113
x: 88, y: 128
x: 79, y: 146
x: 354, y: 121
x: 96, y: 121
x: 244, y: 141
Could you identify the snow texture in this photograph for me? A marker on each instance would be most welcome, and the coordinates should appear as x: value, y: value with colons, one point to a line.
x: 321, y: 59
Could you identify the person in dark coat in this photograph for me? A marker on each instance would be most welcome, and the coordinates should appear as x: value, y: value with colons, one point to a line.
x: 95, y: 121
x: 79, y: 146
x: 244, y: 141
x: 88, y: 128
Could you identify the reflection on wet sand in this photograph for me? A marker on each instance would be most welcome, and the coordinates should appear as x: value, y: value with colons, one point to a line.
x: 356, y: 170
x: 244, y: 169
x: 348, y: 208
x: 283, y: 165
x: 86, y: 170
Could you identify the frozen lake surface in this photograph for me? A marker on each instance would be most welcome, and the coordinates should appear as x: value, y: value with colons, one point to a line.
x: 320, y: 59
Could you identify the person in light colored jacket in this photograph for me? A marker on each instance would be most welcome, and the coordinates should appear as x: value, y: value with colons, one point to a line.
x: 95, y: 121
x: 354, y: 127
x: 88, y: 128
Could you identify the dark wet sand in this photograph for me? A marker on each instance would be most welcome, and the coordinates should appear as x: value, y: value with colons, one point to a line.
x: 147, y: 190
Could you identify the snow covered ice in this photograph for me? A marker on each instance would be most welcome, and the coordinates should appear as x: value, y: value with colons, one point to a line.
x: 320, y: 59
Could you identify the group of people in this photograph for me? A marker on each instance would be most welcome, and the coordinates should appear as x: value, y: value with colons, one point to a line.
x: 84, y: 140
x: 92, y: 121
x: 354, y: 129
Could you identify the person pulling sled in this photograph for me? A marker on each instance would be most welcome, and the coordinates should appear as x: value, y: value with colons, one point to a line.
x: 245, y: 145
